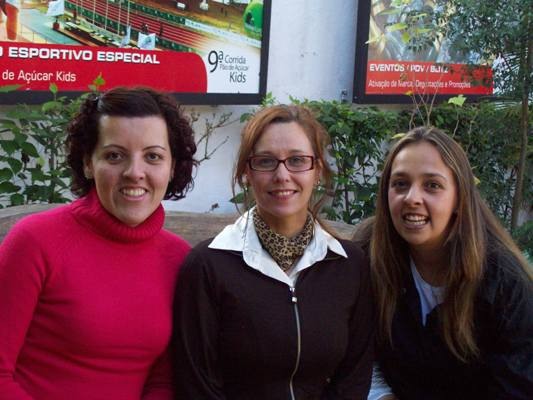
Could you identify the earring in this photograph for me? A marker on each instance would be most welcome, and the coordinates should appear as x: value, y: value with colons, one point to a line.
x: 88, y: 174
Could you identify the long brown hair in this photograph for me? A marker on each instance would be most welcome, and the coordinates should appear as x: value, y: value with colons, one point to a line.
x: 316, y: 134
x: 474, y: 233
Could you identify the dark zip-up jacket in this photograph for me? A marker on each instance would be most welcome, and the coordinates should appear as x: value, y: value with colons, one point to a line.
x: 420, y: 366
x: 240, y: 334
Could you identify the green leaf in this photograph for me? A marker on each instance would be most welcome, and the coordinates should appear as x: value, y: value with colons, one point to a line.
x: 17, y: 199
x: 99, y: 81
x: 245, y: 117
x: 390, y: 11
x: 397, y: 27
x: 51, y: 106
x: 457, y: 100
x: 37, y: 175
x: 29, y: 149
x: 8, y: 124
x: 8, y: 187
x: 53, y: 88
x: 238, y: 198
x: 421, y: 31
x: 9, y: 146
x: 9, y: 88
x: 398, y: 136
x: 16, y: 165
x: 5, y: 174
x: 376, y: 39
x: 20, y: 138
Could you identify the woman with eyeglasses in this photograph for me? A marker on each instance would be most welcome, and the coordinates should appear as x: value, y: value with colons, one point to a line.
x: 275, y: 306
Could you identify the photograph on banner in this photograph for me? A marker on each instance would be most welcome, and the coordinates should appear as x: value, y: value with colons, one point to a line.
x: 186, y: 46
x: 432, y: 65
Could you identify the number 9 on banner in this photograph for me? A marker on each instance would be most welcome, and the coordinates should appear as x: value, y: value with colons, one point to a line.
x: 213, y: 58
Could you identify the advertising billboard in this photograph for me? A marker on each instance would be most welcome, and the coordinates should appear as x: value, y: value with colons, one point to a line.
x: 207, y: 52
x: 387, y: 66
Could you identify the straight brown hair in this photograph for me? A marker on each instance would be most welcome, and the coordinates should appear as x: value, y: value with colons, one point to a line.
x: 474, y: 234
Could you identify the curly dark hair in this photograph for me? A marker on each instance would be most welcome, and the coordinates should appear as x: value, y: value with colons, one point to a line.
x: 82, y: 133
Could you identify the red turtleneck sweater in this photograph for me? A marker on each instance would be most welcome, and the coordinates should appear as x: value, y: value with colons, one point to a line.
x: 85, y: 305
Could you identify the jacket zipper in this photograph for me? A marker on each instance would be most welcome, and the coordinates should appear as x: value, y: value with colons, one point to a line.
x: 294, y: 300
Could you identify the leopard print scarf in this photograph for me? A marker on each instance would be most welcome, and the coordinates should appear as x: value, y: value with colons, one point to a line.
x: 285, y: 251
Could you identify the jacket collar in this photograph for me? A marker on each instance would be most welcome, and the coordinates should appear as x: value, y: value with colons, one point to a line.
x: 242, y: 237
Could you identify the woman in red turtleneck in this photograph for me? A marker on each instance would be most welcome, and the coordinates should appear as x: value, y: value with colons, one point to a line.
x: 86, y: 289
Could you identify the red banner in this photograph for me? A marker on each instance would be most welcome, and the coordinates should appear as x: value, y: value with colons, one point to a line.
x: 36, y: 66
x: 404, y: 77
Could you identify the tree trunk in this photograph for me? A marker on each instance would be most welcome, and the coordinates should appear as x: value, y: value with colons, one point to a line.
x: 527, y: 67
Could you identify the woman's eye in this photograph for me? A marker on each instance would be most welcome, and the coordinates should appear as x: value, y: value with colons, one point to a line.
x: 265, y: 161
x: 296, y: 161
x: 113, y: 156
x: 153, y: 157
x: 434, y: 185
x: 399, y: 184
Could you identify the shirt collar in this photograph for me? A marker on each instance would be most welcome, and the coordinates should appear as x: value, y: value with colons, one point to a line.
x: 241, y: 236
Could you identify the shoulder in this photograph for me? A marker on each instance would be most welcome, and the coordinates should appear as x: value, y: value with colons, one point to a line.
x: 504, y: 273
x: 207, y: 267
x: 354, y: 265
x: 36, y: 237
x: 505, y: 296
x: 353, y: 250
x: 174, y: 240
x: 42, y: 224
x: 202, y: 256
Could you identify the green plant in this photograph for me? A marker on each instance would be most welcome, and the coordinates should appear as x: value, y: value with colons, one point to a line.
x: 488, y: 131
x: 523, y: 235
x: 502, y: 33
x: 210, y: 126
x: 490, y: 135
x: 32, y: 161
x: 34, y: 169
x: 357, y: 137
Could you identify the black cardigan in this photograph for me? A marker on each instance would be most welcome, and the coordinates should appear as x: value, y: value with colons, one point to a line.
x: 236, y: 329
x: 420, y: 366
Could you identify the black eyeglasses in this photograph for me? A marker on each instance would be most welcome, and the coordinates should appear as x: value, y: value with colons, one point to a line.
x: 292, y: 163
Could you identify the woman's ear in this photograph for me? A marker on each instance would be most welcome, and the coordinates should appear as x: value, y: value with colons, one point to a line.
x: 318, y: 171
x: 172, y: 169
x: 88, y: 168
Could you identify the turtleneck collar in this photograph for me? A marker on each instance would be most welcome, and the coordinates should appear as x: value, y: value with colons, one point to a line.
x: 89, y: 212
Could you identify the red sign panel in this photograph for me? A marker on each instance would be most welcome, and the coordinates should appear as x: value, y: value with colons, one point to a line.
x: 401, y: 77
x: 36, y: 66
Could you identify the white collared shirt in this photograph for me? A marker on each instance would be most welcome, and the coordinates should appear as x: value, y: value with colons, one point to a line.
x: 241, y: 236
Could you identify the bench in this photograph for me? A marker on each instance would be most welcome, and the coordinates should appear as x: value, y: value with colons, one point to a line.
x: 193, y: 227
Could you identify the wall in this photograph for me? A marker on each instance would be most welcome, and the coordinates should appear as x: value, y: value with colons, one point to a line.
x: 312, y: 48
x: 312, y: 55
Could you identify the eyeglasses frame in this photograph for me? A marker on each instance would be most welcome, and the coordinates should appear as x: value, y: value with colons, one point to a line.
x: 249, y: 162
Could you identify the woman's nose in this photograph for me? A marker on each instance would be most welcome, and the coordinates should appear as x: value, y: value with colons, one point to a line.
x: 414, y: 195
x: 281, y: 173
x: 134, y: 169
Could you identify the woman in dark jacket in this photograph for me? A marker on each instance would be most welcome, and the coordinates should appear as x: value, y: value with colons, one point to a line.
x: 275, y: 307
x: 454, y: 294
